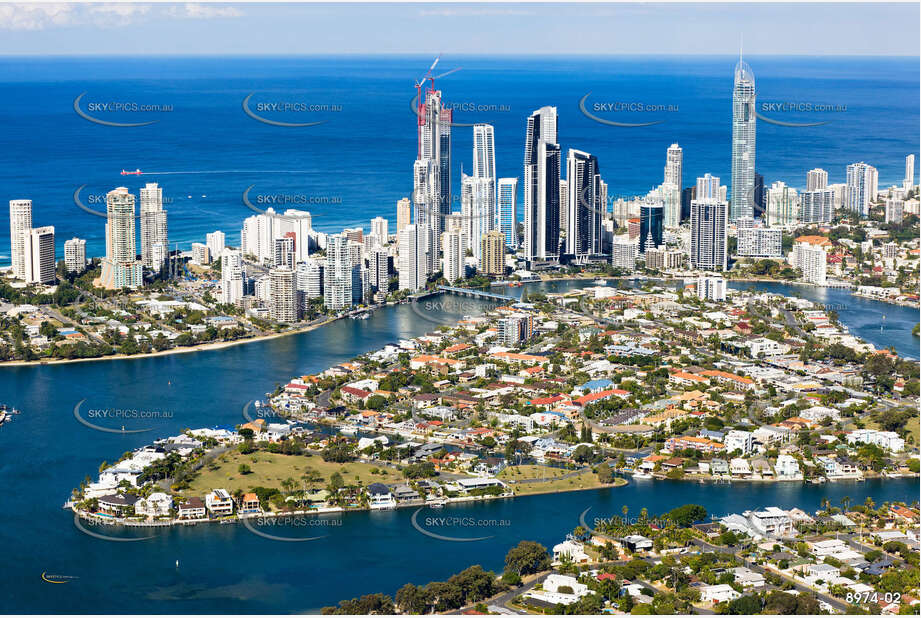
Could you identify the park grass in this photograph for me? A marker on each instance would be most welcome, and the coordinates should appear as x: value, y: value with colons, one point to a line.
x: 270, y: 469
x: 585, y: 479
x: 518, y: 473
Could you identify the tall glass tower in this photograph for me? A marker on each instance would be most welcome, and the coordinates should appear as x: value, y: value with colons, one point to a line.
x: 743, y: 142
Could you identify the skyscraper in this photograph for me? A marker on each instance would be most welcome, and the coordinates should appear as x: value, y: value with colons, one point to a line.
x: 411, y: 259
x: 477, y: 209
x: 75, y: 255
x: 432, y: 173
x: 651, y: 222
x: 484, y: 155
x: 542, y: 187
x: 816, y: 179
x: 493, y: 252
x: 232, y: 275
x: 379, y: 262
x: 708, y: 188
x: 817, y: 206
x: 39, y: 254
x: 453, y: 250
x: 709, y: 221
x: 153, y: 223
x: 909, y: 181
x: 673, y: 165
x: 404, y: 213
x: 508, y: 210
x: 379, y: 229
x: 284, y: 306
x: 862, y: 185
x: 782, y: 205
x: 20, y: 224
x: 743, y: 142
x: 584, y: 204
x: 120, y: 267
x: 337, y: 284
x: 284, y: 252
x: 215, y: 241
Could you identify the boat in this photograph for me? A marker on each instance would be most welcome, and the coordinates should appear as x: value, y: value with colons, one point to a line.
x: 601, y: 281
x: 136, y: 172
x: 349, y: 431
x: 436, y: 503
x: 361, y: 316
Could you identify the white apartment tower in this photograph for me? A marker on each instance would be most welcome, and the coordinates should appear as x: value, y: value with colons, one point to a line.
x: 411, y: 259
x: 861, y: 189
x: 75, y: 255
x: 120, y: 267
x: 20, y: 224
x: 743, y: 142
x: 284, y: 305
x: 39, y: 255
x: 337, y: 283
x: 153, y: 224
x: 816, y: 179
x: 709, y: 221
x: 453, y: 248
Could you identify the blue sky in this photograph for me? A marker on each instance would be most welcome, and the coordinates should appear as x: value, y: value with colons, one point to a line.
x: 430, y: 28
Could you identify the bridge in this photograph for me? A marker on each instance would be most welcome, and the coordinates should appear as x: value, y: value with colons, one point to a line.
x: 477, y: 293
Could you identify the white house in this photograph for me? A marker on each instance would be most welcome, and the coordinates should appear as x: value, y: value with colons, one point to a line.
x: 219, y: 502
x: 562, y: 589
x: 786, y: 467
x: 718, y: 593
x: 155, y: 505
x: 569, y: 550
x: 736, y: 439
x: 748, y: 578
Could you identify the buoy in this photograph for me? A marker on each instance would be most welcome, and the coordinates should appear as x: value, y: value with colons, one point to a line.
x: 177, y: 564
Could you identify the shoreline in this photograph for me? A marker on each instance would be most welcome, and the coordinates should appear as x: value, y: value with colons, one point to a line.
x: 216, y: 345
x: 112, y: 521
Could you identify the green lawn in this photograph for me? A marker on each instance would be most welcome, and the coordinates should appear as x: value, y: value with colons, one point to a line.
x: 270, y: 469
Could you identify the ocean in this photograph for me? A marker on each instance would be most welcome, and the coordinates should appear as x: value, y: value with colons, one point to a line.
x: 358, y: 162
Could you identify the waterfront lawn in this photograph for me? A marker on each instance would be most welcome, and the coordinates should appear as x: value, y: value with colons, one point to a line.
x: 270, y: 469
x: 519, y: 473
x: 584, y: 479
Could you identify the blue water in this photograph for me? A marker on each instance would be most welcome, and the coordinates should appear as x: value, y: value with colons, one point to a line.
x: 227, y: 569
x: 358, y: 164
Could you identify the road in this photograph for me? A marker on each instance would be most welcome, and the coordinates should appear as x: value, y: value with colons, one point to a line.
x: 835, y: 603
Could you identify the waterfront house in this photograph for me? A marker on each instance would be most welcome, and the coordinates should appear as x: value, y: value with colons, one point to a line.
x: 569, y: 550
x: 219, y: 503
x: 739, y: 467
x: 636, y: 542
x: 119, y: 505
x: 771, y: 521
x: 157, y: 504
x: 380, y: 496
x: 249, y: 503
x: 193, y: 508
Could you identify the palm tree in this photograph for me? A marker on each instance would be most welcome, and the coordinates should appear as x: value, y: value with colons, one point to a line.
x: 869, y: 503
x: 625, y: 509
x: 845, y: 501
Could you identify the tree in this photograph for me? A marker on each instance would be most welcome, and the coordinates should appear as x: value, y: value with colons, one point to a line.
x: 745, y: 606
x: 526, y: 558
x: 244, y: 469
x: 412, y: 599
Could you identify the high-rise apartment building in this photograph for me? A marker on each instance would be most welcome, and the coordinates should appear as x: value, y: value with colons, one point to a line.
x: 39, y: 254
x: 508, y: 210
x: 284, y: 306
x: 75, y: 255
x: 743, y: 142
x: 20, y: 224
x: 584, y: 232
x: 153, y: 224
x: 709, y: 221
x: 493, y: 253
x: 120, y: 267
x: 816, y: 179
x: 862, y: 185
x: 542, y: 187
